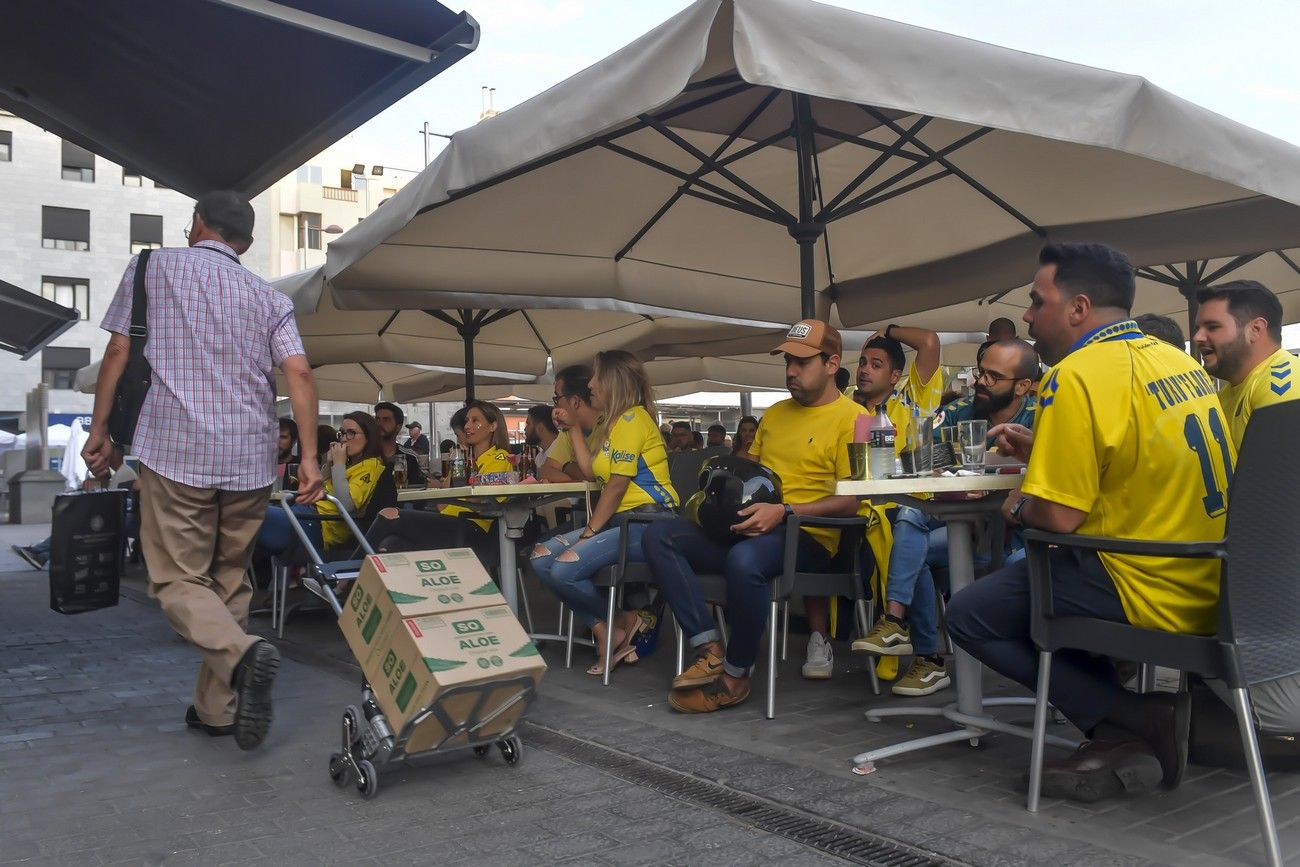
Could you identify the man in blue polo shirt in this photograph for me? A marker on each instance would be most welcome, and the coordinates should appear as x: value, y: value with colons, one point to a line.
x: 1006, y: 373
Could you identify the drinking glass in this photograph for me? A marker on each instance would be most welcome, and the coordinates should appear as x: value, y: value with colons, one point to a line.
x: 973, y: 436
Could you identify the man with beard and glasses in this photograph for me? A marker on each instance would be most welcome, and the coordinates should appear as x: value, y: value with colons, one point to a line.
x: 1002, y: 385
x: 389, y: 418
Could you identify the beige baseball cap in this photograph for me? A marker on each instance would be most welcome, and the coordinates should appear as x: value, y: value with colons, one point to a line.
x: 809, y: 337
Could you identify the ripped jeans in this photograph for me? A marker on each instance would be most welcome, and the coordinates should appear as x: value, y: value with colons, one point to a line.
x: 570, y: 579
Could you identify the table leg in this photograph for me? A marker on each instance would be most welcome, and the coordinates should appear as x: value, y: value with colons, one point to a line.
x: 961, y: 574
x: 509, y: 567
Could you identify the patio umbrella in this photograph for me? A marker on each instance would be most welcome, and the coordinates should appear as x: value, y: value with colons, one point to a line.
x: 769, y: 157
x: 315, y: 69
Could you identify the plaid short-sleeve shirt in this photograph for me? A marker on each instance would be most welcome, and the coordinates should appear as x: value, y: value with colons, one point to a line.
x: 216, y: 331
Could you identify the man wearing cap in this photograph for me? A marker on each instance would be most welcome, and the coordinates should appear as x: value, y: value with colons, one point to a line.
x: 416, y: 441
x: 215, y: 333
x: 803, y: 440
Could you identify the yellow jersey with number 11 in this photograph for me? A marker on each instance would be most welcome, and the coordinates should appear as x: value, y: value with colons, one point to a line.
x: 1129, y: 430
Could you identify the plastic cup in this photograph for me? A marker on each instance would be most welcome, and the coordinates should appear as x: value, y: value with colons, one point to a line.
x: 973, y: 438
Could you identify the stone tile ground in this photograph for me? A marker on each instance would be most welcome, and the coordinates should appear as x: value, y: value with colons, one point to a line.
x: 96, y: 767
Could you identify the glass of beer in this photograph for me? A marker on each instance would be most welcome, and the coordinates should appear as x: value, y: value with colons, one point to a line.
x: 399, y: 472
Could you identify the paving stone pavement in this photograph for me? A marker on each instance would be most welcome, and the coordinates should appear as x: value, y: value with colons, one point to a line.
x: 97, y: 767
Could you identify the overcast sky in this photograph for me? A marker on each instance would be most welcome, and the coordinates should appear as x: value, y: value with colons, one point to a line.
x: 1239, y: 59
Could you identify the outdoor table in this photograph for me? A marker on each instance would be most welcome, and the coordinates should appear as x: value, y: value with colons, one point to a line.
x: 960, y: 515
x: 510, y: 505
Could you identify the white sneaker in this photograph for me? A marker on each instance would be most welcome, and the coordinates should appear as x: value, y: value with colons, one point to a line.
x: 820, y: 660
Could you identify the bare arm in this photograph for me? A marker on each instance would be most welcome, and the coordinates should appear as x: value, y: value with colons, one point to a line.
x: 926, y: 344
x: 302, y: 397
x: 582, y: 457
x: 611, y: 497
x: 1043, y: 514
x: 763, y: 518
x: 554, y: 473
x: 98, y: 449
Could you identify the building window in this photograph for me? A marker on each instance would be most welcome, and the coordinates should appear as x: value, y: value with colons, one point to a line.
x: 59, y: 365
x: 309, y: 231
x: 146, y: 232
x: 71, y: 292
x: 65, y: 228
x: 309, y: 175
x: 132, y: 178
x: 6, y: 146
x: 78, y: 163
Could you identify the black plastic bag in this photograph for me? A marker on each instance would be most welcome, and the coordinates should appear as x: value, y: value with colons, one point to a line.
x: 87, y: 544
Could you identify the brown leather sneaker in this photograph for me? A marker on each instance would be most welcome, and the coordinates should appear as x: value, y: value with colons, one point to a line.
x: 706, y: 669
x: 1102, y: 769
x: 706, y: 699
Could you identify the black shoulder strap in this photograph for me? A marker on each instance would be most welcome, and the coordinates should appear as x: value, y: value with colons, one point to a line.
x: 140, y: 302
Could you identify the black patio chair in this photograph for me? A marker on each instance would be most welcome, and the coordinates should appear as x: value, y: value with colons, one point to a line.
x: 1259, y: 598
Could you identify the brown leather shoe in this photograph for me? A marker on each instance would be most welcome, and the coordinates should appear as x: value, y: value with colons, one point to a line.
x: 706, y: 699
x: 1169, y: 718
x: 706, y: 669
x: 1102, y: 769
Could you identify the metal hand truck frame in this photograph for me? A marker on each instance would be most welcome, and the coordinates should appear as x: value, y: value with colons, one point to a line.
x: 368, y: 741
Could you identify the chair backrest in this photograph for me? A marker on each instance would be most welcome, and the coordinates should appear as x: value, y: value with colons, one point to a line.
x: 684, y: 473
x: 1261, y: 576
x: 383, y: 497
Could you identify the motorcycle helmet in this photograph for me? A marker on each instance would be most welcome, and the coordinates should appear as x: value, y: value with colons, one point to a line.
x: 727, y: 485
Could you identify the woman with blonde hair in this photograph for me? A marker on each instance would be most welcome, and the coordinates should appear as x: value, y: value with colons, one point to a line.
x: 633, y: 464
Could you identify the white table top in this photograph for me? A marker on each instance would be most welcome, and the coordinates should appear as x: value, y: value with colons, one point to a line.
x: 929, y: 485
x: 540, y: 489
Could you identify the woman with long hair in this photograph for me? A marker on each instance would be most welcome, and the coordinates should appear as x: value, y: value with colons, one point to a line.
x: 746, y: 428
x: 633, y: 464
x: 355, y: 462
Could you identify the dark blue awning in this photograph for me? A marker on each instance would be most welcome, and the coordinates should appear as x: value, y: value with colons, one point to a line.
x: 28, y: 322
x: 219, y: 94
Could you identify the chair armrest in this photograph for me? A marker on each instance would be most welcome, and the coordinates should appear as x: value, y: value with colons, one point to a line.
x: 1144, y: 547
x: 797, y: 522
x: 818, y: 521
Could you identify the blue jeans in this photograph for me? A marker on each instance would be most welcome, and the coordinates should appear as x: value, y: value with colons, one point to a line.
x: 676, y: 549
x: 571, y: 580
x: 278, y: 536
x: 938, y: 556
x: 910, y: 582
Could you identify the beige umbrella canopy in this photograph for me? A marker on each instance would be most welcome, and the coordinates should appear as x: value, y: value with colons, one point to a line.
x: 759, y: 157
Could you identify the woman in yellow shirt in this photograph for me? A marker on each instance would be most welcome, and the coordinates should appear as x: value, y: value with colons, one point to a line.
x: 355, y: 462
x: 632, y: 462
x: 394, y: 530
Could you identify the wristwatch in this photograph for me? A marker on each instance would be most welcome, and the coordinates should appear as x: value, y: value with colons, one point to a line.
x: 789, y: 510
x: 1019, y: 507
x: 888, y: 328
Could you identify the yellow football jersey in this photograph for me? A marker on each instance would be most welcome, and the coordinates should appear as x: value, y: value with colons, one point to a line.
x: 562, y: 449
x: 635, y: 448
x: 494, y: 460
x: 1272, y: 381
x: 1130, y: 431
x: 923, y: 397
x: 363, y: 477
x: 807, y: 447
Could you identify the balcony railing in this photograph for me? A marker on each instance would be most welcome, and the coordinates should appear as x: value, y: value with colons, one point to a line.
x: 339, y: 193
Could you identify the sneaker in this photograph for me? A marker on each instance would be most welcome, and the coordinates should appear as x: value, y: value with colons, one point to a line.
x: 706, y: 699
x: 705, y: 670
x: 252, y: 682
x: 924, y: 677
x: 31, y: 555
x: 820, y: 660
x: 887, y: 638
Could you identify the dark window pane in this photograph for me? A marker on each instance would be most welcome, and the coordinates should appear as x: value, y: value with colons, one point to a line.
x: 65, y: 224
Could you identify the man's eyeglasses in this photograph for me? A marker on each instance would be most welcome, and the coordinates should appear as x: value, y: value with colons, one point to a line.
x: 992, y: 378
x: 555, y: 401
x: 348, y: 434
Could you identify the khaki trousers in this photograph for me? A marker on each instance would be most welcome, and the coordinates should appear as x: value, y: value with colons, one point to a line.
x: 197, y: 544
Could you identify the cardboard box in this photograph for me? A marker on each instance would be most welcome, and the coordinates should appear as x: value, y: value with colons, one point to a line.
x: 476, y: 649
x: 393, y: 587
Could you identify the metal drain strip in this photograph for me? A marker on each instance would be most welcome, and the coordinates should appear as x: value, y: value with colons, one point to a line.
x: 827, y: 836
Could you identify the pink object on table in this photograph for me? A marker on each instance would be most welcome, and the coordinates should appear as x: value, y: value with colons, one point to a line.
x: 862, y: 429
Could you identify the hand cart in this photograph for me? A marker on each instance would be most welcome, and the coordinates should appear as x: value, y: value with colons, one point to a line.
x: 369, y: 742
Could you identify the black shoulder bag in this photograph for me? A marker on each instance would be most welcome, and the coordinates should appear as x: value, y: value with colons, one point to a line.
x: 137, y: 376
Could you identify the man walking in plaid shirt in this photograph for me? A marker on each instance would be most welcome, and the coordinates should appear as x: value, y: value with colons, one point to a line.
x: 207, y: 443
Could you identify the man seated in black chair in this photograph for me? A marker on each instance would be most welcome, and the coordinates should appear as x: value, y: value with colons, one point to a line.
x: 1128, y: 442
x: 389, y: 417
x: 804, y: 441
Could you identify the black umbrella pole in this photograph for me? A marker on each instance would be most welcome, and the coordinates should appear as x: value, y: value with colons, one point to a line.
x: 469, y: 368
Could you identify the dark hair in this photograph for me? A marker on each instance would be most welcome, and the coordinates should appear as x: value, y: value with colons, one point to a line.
x: 891, y: 347
x: 541, y: 414
x: 1004, y: 322
x: 458, y: 419
x: 227, y: 213
x: 374, y: 446
x: 1247, y: 300
x: 1164, y: 328
x: 396, y: 410
x: 697, y: 438
x: 680, y: 425
x: 842, y: 378
x: 735, y: 441
x: 1102, y: 273
x: 576, y: 382
x: 501, y: 438
x: 1027, y: 366
x: 324, y: 436
x: 288, y: 424
x: 446, y: 445
x: 717, y: 428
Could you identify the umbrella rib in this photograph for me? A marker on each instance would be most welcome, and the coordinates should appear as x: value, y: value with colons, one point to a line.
x: 752, y: 210
x: 1236, y: 263
x: 379, y: 384
x: 863, y: 204
x: 892, y: 149
x: 658, y: 126
x: 756, y: 146
x: 680, y: 174
x: 875, y: 165
x: 980, y: 188
x: 1155, y: 276
x: 852, y: 206
x: 442, y: 316
x: 536, y: 333
x: 496, y: 316
x: 391, y: 320
x: 1287, y: 259
x: 696, y: 175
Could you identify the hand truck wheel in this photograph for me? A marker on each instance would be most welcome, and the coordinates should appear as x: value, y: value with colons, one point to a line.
x: 368, y: 783
x: 353, y: 718
x: 339, y: 769
x: 512, y: 750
